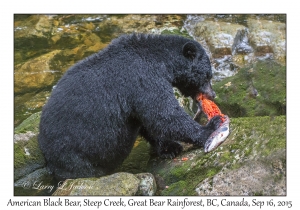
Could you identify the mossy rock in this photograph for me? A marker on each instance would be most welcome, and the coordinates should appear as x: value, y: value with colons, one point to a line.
x: 27, y: 155
x: 178, y: 32
x: 121, y: 184
x: 138, y: 158
x: 250, y: 139
x: 29, y: 124
x: 257, y: 90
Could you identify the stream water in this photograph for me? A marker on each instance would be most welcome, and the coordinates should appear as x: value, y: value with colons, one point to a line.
x: 47, y: 45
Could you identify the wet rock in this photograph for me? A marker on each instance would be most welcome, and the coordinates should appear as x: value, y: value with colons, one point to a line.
x: 31, y: 36
x: 138, y: 158
x: 218, y: 39
x: 69, y: 36
x: 233, y: 46
x: 35, y: 29
x: 27, y: 155
x: 29, y: 103
x: 34, y: 25
x: 68, y: 57
x: 30, y: 125
x: 218, y: 35
x: 268, y: 37
x: 35, y: 74
x: 147, y: 184
x: 34, y: 177
x: 241, y: 43
x: 37, y: 101
x: 118, y: 184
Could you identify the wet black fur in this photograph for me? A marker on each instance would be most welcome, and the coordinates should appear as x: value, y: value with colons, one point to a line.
x: 97, y: 109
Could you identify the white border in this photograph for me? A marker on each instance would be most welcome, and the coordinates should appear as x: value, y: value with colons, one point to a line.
x: 138, y: 7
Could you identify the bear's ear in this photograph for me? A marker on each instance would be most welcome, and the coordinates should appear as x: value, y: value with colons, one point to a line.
x: 189, y: 50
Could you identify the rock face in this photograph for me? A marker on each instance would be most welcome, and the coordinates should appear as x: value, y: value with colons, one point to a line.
x: 263, y: 177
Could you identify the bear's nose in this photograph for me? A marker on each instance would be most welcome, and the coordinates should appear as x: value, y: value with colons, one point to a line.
x: 210, y: 95
x: 213, y: 95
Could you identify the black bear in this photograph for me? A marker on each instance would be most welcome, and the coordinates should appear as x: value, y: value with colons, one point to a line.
x: 102, y: 103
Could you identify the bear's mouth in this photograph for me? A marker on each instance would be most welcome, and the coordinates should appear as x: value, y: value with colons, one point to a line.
x: 195, y: 97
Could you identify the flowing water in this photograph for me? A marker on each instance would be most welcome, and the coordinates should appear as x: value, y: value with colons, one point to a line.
x: 46, y: 46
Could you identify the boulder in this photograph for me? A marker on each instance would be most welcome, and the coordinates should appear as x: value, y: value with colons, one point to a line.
x: 118, y: 184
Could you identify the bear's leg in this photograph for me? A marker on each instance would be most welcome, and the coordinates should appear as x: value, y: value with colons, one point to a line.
x: 168, y: 149
x: 168, y: 122
x: 165, y: 149
x: 72, y: 166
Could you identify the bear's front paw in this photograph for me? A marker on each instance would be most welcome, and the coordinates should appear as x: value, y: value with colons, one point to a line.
x: 208, y: 129
x: 214, y: 123
x: 169, y: 149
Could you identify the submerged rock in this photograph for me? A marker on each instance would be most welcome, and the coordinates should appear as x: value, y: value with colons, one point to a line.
x: 35, y: 74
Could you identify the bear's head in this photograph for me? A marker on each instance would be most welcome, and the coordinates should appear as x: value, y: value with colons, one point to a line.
x: 194, y: 75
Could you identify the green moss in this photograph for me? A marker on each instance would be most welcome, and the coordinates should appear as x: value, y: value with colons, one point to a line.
x: 260, y: 193
x: 21, y: 158
x: 178, y: 172
x: 140, y: 152
x: 212, y: 172
x: 226, y: 156
x: 236, y: 94
x: 178, y: 188
x: 187, y: 178
x: 183, y: 33
x: 30, y: 124
x: 19, y: 155
x: 250, y: 138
